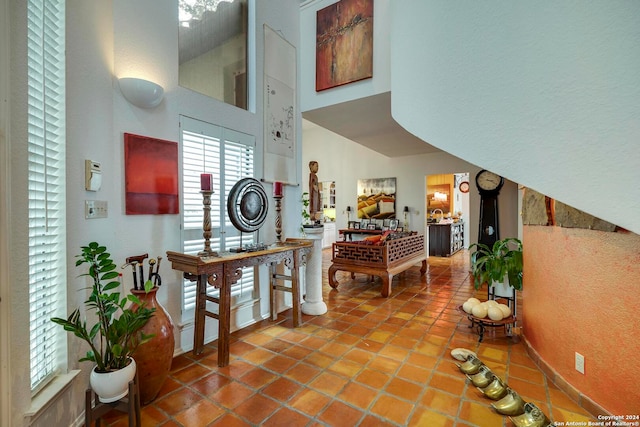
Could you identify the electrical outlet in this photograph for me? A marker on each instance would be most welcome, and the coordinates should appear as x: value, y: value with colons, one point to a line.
x: 579, y: 363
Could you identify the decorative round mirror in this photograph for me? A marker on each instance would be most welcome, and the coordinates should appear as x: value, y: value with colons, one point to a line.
x: 247, y: 205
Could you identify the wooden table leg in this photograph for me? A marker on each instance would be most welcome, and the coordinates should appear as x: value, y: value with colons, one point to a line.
x: 201, y: 314
x: 273, y: 304
x: 295, y: 290
x: 224, y: 314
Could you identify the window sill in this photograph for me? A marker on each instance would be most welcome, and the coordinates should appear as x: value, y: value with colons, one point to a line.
x: 47, y: 395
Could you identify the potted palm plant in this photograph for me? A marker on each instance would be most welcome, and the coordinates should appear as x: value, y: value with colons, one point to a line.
x: 117, y: 332
x: 501, y: 263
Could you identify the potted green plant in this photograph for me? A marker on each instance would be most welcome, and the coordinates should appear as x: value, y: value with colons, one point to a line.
x: 306, y: 218
x: 117, y: 332
x: 500, y: 263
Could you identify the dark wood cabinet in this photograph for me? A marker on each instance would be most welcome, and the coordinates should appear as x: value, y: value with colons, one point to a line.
x: 445, y: 239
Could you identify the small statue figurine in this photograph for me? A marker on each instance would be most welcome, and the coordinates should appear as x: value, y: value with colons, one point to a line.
x: 314, y: 191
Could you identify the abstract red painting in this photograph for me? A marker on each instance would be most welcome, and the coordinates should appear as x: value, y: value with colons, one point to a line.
x: 151, y: 175
x: 344, y: 43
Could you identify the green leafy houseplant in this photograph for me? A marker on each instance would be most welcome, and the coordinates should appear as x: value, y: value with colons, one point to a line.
x: 116, y: 334
x: 491, y: 264
x: 306, y: 218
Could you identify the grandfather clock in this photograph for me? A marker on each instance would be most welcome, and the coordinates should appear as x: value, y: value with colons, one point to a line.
x: 489, y: 185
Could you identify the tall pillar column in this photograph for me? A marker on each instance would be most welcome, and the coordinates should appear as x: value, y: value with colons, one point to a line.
x: 313, y: 303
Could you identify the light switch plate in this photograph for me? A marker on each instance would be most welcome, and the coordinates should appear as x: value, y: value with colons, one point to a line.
x: 95, y: 209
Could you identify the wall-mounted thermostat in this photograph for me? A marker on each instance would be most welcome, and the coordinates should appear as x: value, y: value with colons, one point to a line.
x: 92, y: 175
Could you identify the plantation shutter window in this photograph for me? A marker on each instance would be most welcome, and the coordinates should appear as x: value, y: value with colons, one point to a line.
x: 229, y: 156
x: 46, y: 185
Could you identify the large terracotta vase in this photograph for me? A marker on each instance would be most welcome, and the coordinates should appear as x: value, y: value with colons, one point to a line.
x: 154, y: 357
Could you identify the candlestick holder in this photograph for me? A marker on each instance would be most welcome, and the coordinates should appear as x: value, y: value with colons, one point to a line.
x: 278, y: 218
x: 206, y: 225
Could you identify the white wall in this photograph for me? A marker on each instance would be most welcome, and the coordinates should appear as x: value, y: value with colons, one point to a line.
x: 107, y: 40
x: 544, y: 93
x: 345, y: 161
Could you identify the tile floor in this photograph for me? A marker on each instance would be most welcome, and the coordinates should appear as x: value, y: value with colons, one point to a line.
x: 370, y: 361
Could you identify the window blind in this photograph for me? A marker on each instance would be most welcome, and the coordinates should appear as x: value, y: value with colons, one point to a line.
x: 228, y: 156
x: 46, y: 163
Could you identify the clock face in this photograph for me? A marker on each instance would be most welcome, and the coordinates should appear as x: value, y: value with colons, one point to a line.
x: 488, y: 181
x: 464, y: 186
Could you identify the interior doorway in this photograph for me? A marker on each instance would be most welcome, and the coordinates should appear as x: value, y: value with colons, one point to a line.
x: 447, y: 201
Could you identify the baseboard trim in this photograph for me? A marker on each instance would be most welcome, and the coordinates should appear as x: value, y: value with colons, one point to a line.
x: 582, y: 400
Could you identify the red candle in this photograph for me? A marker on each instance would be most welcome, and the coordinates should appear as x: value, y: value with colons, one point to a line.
x: 206, y: 182
x: 277, y: 188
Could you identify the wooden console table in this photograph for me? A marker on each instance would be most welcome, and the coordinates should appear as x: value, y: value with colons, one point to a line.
x: 225, y: 270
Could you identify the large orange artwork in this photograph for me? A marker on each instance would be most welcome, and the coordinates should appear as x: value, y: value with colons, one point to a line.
x: 151, y: 175
x: 344, y: 43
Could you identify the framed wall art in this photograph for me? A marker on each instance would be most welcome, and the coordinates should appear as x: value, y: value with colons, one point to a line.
x: 151, y: 175
x: 342, y: 29
x: 377, y: 198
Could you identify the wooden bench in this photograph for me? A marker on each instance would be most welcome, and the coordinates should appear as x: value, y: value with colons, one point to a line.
x: 384, y: 261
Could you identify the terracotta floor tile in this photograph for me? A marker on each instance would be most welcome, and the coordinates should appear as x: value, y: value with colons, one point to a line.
x: 257, y: 378
x: 528, y: 390
x: 231, y: 395
x: 423, y: 360
x: 427, y: 417
x: 375, y: 421
x: 281, y: 389
x: 385, y: 364
x: 340, y: 414
x: 202, y: 413
x: 256, y: 408
x: 373, y: 378
x: 394, y: 352
x: 526, y: 374
x: 177, y: 401
x: 328, y: 383
x: 180, y: 362
x: 359, y: 356
x: 302, y: 373
x: 258, y: 356
x: 440, y: 401
x: 404, y: 389
x: 357, y: 395
x: 279, y: 364
x: 454, y: 385
x: 236, y: 369
x: 368, y: 361
x: 297, y: 352
x: 334, y: 349
x: 562, y: 401
x: 345, y: 368
x: 191, y: 373
x: 310, y: 402
x: 480, y: 415
x: 414, y: 373
x: 320, y: 360
x: 210, y: 384
x: 229, y: 420
x: 169, y: 386
x: 392, y: 408
x: 286, y: 417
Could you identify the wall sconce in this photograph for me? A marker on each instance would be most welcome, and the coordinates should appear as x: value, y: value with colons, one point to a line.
x: 348, y: 215
x: 141, y: 93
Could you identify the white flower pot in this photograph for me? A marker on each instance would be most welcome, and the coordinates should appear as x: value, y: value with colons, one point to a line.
x: 502, y: 289
x: 112, y: 386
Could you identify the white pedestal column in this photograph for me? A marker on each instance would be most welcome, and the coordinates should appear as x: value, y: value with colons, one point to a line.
x: 313, y: 303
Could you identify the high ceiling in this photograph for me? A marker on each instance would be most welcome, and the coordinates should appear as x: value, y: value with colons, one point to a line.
x: 368, y: 122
